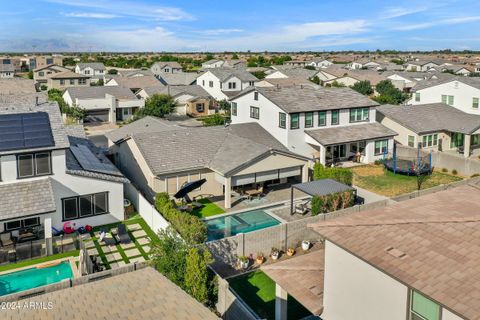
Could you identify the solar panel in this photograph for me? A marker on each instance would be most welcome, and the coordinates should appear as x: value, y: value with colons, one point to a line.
x: 90, y: 162
x: 25, y: 131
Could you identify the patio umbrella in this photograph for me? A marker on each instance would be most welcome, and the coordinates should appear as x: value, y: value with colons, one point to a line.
x: 189, y: 187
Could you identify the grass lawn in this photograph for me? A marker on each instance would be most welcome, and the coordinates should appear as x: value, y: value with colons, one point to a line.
x: 209, y: 209
x: 381, y: 181
x: 258, y: 291
x: 39, y: 260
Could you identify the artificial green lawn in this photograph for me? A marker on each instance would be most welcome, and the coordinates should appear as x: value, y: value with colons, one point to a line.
x: 258, y: 291
x: 209, y: 209
x: 39, y: 260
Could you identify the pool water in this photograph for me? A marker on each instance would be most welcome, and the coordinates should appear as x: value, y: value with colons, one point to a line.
x: 34, y: 277
x: 243, y: 222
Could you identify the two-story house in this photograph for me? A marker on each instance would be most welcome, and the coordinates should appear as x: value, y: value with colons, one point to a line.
x: 43, y: 61
x: 95, y: 70
x: 166, y: 67
x: 222, y: 83
x: 462, y: 93
x: 104, y: 103
x: 41, y: 75
x: 51, y: 174
x: 325, y: 124
x: 67, y: 79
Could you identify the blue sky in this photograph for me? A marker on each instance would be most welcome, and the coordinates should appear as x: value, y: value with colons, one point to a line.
x: 204, y: 25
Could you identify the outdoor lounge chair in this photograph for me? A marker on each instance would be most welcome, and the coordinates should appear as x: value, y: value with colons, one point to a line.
x: 123, y: 234
x: 195, y: 204
x: 107, y: 237
x: 6, y: 239
x: 302, y: 208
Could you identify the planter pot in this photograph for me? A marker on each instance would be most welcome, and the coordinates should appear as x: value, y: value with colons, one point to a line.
x: 305, y: 245
x: 260, y: 260
x: 275, y: 255
x: 290, y: 253
x: 244, y: 264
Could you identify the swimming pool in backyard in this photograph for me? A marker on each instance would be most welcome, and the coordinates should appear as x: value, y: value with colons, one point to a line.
x: 243, y: 222
x: 34, y: 277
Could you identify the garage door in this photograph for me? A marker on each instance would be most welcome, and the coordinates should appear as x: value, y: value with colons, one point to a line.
x: 97, y: 116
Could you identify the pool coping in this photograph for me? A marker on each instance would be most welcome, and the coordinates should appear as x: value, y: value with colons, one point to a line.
x: 71, y: 260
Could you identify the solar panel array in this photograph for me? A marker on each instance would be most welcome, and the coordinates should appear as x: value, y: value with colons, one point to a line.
x: 90, y: 162
x: 25, y: 131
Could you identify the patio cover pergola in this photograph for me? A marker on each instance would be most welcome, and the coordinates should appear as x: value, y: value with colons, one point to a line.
x: 319, y: 188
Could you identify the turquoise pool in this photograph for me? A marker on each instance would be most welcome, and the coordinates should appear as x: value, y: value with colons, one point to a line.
x: 243, y: 222
x: 32, y: 278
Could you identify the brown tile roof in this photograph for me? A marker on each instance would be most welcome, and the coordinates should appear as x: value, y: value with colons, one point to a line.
x: 302, y: 277
x: 439, y: 236
x: 143, y: 294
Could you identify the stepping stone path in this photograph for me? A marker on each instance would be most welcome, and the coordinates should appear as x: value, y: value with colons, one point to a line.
x: 114, y: 265
x: 137, y: 259
x: 121, y: 263
x: 134, y: 227
x: 126, y: 246
x: 146, y: 249
x: 92, y: 252
x: 143, y: 241
x: 132, y: 252
x: 89, y: 244
x: 114, y: 257
x: 139, y: 234
x: 86, y: 237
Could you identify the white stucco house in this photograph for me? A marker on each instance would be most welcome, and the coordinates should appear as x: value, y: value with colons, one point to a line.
x: 222, y: 83
x: 422, y: 66
x: 462, y: 93
x: 95, y: 70
x: 104, y: 103
x: 320, y: 63
x: 7, y: 71
x: 324, y: 124
x: 51, y: 174
x: 166, y: 67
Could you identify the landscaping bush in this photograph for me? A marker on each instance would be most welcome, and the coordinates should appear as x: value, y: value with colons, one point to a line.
x: 341, y: 175
x: 74, y: 111
x: 475, y: 175
x: 191, y: 228
x: 444, y: 170
x: 454, y: 172
x: 332, y: 202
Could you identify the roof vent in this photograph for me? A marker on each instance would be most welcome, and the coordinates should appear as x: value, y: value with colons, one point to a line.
x: 396, y: 253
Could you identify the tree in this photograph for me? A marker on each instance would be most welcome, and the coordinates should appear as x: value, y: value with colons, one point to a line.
x: 388, y: 93
x: 316, y: 80
x: 235, y: 56
x: 209, y: 56
x: 337, y: 84
x: 363, y: 87
x: 30, y: 75
x: 309, y: 67
x: 225, y: 106
x: 196, y: 275
x: 259, y: 74
x: 215, y: 119
x: 158, y: 105
x: 113, y: 71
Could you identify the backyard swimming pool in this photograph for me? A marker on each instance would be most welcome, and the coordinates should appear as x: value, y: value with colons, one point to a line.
x: 34, y: 277
x: 243, y: 222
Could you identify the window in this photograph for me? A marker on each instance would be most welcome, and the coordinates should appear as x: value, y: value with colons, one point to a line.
x: 359, y: 114
x: 234, y: 108
x: 282, y: 120
x: 85, y: 206
x: 125, y: 111
x: 13, y: 225
x: 417, y: 96
x: 42, y: 164
x: 475, y: 103
x: 41, y: 74
x: 255, y: 96
x: 422, y: 308
x: 19, y: 224
x: 381, y: 146
x: 87, y: 71
x: 203, y: 83
x: 82, y: 81
x: 254, y: 113
x: 429, y: 140
x: 25, y: 166
x: 62, y: 82
x: 335, y: 117
x: 447, y: 99
x: 31, y: 222
x: 232, y: 85
x: 308, y: 119
x: 322, y: 118
x: 210, y: 84
x: 251, y: 83
x: 411, y: 141
x: 294, y: 121
x: 36, y: 164
x: 72, y: 82
x: 199, y: 107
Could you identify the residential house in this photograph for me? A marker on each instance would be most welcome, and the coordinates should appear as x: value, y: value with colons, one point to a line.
x: 191, y: 100
x: 166, y: 67
x: 414, y: 259
x: 319, y: 63
x: 462, y: 93
x: 214, y: 63
x: 459, y: 70
x: 434, y: 126
x: 95, y: 70
x: 222, y: 83
x: 67, y: 79
x: 160, y: 157
x: 133, y: 83
x: 351, y: 77
x: 104, y: 103
x: 178, y: 79
x: 406, y: 80
x: 298, y: 73
x: 420, y: 65
x: 131, y: 73
x: 44, y: 61
x: 51, y: 174
x: 325, y: 124
x: 282, y: 82
x: 7, y: 71
x: 41, y: 75
x: 296, y: 63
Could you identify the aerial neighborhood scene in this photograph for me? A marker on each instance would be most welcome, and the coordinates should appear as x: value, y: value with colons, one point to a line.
x: 213, y: 160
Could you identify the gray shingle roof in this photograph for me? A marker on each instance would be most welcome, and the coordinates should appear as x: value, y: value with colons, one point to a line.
x: 135, y: 73
x: 22, y: 199
x: 107, y: 171
x: 16, y: 86
x: 7, y: 67
x: 301, y: 73
x: 322, y: 187
x: 171, y: 64
x: 93, y: 65
x: 143, y: 294
x: 224, y: 74
x: 178, y: 79
x: 344, y: 134
x: 193, y: 90
x: 56, y: 121
x: 434, y: 117
x: 121, y: 93
x: 473, y: 82
x: 136, y: 82
x: 68, y: 75
x: 295, y: 99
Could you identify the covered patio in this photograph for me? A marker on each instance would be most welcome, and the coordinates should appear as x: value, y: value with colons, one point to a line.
x: 302, y: 277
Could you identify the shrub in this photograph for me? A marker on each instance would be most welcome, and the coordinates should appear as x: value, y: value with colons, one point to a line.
x: 332, y: 202
x: 191, y: 228
x: 475, y: 175
x: 341, y: 175
x: 445, y: 170
x: 454, y: 172
x: 363, y: 87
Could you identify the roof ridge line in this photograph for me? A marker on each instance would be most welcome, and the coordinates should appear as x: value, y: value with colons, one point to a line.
x: 411, y: 221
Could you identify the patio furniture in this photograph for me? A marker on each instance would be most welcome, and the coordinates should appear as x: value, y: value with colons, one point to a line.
x: 302, y: 208
x: 123, y: 234
x: 6, y: 239
x: 108, y: 238
x: 27, y: 235
x: 195, y: 204
x: 184, y: 208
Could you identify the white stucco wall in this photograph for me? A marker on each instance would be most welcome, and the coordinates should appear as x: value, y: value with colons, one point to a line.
x: 354, y: 289
x: 463, y: 95
x: 214, y: 91
x: 447, y: 315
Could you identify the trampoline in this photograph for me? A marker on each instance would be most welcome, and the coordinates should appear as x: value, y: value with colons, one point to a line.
x: 407, y: 167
